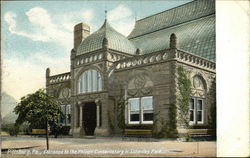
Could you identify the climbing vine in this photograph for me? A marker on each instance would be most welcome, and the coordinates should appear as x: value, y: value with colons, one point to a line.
x: 165, y: 128
x: 121, y: 113
x: 183, y: 96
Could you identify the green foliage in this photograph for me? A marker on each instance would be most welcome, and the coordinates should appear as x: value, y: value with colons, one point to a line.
x: 163, y: 128
x: 37, y: 109
x: 170, y: 129
x: 159, y: 126
x: 12, y: 129
x: 183, y: 97
x: 64, y: 130
x: 121, y: 114
x: 111, y: 124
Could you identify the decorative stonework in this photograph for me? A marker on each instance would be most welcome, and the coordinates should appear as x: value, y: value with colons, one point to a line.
x: 139, y: 83
x: 65, y: 93
x: 199, y: 86
x: 164, y: 56
x: 59, y: 78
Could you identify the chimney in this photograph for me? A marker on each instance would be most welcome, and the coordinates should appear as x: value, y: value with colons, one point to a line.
x: 81, y: 31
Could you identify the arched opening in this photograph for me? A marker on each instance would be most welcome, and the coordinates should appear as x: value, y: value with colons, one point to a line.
x: 90, y: 81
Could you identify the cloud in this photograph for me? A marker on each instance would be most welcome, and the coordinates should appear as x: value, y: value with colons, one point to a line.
x: 88, y: 15
x: 124, y: 26
x: 9, y: 17
x: 119, y: 13
x: 48, y: 31
x: 121, y: 19
x: 21, y: 77
x: 69, y: 20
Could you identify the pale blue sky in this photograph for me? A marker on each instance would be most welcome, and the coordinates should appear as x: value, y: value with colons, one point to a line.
x: 38, y: 34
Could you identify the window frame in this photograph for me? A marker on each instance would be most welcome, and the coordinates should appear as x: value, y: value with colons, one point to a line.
x: 86, y: 81
x: 129, y: 111
x: 66, y: 110
x: 195, y: 111
x: 141, y: 111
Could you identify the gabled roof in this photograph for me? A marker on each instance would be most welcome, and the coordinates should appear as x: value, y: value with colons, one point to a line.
x: 116, y: 41
x: 197, y: 37
x: 193, y: 23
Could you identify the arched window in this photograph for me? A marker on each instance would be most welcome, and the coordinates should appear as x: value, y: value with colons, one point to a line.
x: 90, y: 81
x: 197, y: 101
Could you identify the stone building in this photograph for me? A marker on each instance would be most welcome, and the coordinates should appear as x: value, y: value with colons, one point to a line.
x: 109, y: 69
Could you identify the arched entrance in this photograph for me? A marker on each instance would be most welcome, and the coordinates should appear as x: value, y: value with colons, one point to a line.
x: 89, y: 118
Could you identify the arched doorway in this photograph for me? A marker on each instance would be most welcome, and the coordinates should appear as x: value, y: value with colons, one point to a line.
x: 89, y: 118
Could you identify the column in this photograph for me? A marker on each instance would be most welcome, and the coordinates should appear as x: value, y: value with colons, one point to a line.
x: 80, y: 117
x: 97, y: 116
x: 126, y: 105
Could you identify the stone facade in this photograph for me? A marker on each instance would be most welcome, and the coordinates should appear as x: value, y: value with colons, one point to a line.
x: 124, y: 76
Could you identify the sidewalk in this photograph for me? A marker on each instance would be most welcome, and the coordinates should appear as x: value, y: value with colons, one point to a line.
x: 105, y: 146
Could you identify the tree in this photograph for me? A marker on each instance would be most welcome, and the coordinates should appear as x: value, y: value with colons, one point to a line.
x: 183, y: 97
x: 38, y: 109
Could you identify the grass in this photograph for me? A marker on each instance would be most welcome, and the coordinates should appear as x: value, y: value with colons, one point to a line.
x: 3, y: 133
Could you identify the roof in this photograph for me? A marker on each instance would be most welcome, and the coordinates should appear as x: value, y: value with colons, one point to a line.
x: 116, y: 41
x: 197, y: 37
x: 193, y: 23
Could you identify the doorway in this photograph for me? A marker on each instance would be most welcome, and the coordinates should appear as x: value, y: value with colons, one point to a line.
x: 89, y: 118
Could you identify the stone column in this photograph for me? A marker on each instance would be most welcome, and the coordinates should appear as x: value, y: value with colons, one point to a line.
x: 98, y: 104
x: 126, y: 105
x: 97, y: 116
x: 80, y: 117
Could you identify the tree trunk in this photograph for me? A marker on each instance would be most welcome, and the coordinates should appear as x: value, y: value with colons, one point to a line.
x: 47, y: 135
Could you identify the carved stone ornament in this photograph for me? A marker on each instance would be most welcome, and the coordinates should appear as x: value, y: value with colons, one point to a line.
x: 66, y: 92
x: 140, y: 84
x: 139, y: 81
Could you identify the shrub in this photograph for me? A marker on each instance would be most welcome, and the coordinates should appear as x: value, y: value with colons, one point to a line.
x: 64, y: 130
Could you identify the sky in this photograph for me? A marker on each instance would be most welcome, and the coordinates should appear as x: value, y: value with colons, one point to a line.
x: 39, y: 34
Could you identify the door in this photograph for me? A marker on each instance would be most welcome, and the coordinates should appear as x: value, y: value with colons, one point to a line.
x: 89, y: 118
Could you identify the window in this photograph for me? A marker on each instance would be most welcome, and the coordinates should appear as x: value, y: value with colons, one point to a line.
x: 90, y: 81
x: 66, y: 110
x: 196, y: 111
x: 140, y: 110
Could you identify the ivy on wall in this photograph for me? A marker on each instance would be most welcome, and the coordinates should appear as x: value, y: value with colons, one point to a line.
x: 183, y: 96
x: 121, y: 113
x: 165, y: 128
x: 111, y: 123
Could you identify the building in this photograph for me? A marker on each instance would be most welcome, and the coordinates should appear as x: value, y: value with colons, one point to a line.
x: 110, y: 71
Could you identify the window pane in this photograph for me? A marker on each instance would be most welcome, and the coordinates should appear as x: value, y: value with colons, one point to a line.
x: 89, y: 81
x: 199, y: 115
x: 134, y: 104
x: 85, y: 82
x: 69, y: 118
x: 95, y: 80
x: 80, y: 84
x: 134, y: 117
x: 148, y: 116
x: 99, y: 82
x: 62, y: 119
x: 63, y: 109
x: 191, y: 115
x: 199, y: 104
x: 147, y: 103
x: 191, y: 103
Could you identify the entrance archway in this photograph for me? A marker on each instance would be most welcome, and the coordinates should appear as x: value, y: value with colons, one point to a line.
x: 89, y: 118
